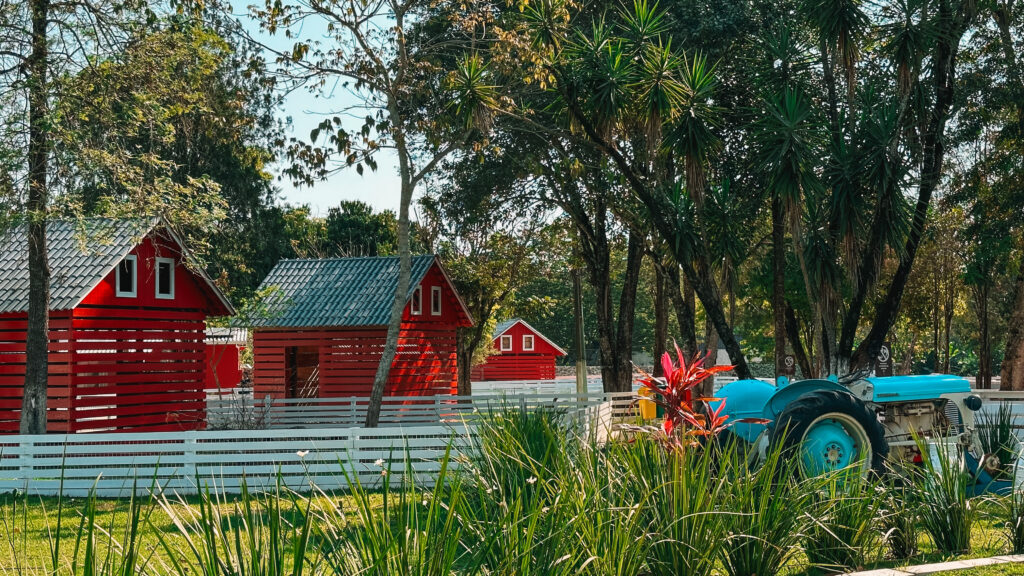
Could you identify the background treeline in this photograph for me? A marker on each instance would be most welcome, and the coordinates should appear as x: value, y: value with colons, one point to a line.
x: 807, y: 177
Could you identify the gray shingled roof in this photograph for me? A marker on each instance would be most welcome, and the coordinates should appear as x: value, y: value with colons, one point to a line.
x: 503, y: 327
x: 335, y: 291
x: 81, y: 254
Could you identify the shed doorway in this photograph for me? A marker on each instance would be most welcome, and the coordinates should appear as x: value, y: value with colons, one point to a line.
x: 302, y: 371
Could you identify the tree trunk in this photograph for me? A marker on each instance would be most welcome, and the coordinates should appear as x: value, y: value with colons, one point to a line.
x: 984, y: 379
x: 1012, y: 373
x: 401, y: 291
x: 779, y: 282
x: 661, y: 303
x: 464, y: 352
x: 793, y: 332
x: 33, y: 407
x: 685, y: 306
x: 627, y: 312
x: 581, y: 343
x: 943, y: 66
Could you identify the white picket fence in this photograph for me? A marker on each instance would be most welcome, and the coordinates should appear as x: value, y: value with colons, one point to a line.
x: 241, y: 411
x: 113, y: 465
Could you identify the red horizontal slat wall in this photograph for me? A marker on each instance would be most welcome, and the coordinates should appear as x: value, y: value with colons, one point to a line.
x: 140, y: 368
x: 12, y: 371
x: 424, y: 365
x: 515, y: 367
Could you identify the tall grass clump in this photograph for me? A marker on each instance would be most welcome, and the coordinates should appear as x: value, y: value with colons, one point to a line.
x: 899, y: 515
x: 1012, y: 506
x: 513, y: 446
x: 841, y: 534
x: 682, y: 499
x: 607, y: 519
x: 944, y: 489
x: 400, y: 530
x: 765, y: 517
x: 259, y: 533
x: 519, y: 504
x: 996, y: 434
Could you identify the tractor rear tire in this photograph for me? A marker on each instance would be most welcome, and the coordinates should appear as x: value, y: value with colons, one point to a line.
x: 841, y: 421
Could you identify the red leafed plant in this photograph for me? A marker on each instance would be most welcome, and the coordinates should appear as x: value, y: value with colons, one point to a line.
x: 674, y: 393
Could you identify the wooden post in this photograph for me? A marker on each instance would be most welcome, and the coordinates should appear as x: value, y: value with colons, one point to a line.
x: 581, y: 348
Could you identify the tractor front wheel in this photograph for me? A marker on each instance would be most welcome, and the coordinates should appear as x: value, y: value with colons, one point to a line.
x: 830, y: 430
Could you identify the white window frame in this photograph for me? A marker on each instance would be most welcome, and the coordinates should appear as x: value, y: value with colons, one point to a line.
x: 156, y: 273
x: 533, y: 341
x: 134, y: 292
x: 502, y: 340
x: 435, y: 291
x: 416, y: 306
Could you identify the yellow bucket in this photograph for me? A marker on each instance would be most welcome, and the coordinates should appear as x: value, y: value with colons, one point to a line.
x: 648, y: 409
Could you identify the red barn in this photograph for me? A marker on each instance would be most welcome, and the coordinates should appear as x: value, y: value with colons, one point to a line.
x: 322, y: 329
x: 127, y: 319
x: 523, y: 353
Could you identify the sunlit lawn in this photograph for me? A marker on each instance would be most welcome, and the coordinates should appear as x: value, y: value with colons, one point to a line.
x: 29, y: 532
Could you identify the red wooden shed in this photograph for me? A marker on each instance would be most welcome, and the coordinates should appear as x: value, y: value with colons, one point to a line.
x: 127, y: 315
x: 322, y: 329
x: 224, y: 348
x: 523, y: 353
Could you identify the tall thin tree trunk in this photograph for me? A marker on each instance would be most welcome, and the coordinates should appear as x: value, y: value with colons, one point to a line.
x: 779, y: 282
x: 793, y: 332
x: 581, y: 343
x: 33, y: 407
x: 984, y: 379
x: 401, y: 291
x: 464, y: 351
x: 1012, y: 373
x: 661, y: 304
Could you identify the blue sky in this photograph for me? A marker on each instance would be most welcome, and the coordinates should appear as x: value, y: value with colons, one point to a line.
x: 380, y: 189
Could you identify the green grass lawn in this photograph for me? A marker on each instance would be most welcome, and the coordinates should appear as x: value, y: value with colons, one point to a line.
x: 27, y: 534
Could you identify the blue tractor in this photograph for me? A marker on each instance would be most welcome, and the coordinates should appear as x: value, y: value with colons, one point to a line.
x: 833, y: 426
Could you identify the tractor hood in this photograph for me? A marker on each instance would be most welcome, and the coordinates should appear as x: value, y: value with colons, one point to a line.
x: 910, y: 388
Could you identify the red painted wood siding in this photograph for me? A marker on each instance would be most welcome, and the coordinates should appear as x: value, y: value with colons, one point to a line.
x: 223, y: 367
x: 515, y: 367
x: 424, y: 364
x: 518, y: 363
x: 120, y: 363
x: 540, y: 346
x: 12, y: 371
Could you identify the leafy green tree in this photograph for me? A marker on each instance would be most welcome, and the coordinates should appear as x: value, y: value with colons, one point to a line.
x: 409, y: 101
x: 42, y: 41
x: 354, y: 229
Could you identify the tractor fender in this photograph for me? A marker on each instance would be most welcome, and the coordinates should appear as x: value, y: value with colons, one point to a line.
x: 784, y: 396
x: 744, y: 399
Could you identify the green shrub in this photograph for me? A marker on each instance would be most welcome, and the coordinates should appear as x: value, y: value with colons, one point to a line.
x: 943, y: 487
x: 996, y: 434
x: 841, y: 534
x: 765, y: 517
x: 899, y: 516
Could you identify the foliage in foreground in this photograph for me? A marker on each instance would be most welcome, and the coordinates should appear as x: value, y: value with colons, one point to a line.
x: 529, y: 497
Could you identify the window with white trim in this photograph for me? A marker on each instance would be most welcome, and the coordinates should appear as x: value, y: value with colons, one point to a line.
x: 528, y: 343
x: 435, y: 301
x: 165, y: 278
x: 506, y: 343
x: 416, y: 307
x: 126, y: 277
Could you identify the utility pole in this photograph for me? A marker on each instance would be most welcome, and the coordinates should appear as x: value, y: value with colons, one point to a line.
x: 581, y: 349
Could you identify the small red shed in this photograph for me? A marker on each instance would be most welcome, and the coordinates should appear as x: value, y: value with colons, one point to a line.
x: 322, y: 329
x: 127, y: 319
x: 523, y: 353
x: 224, y: 348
